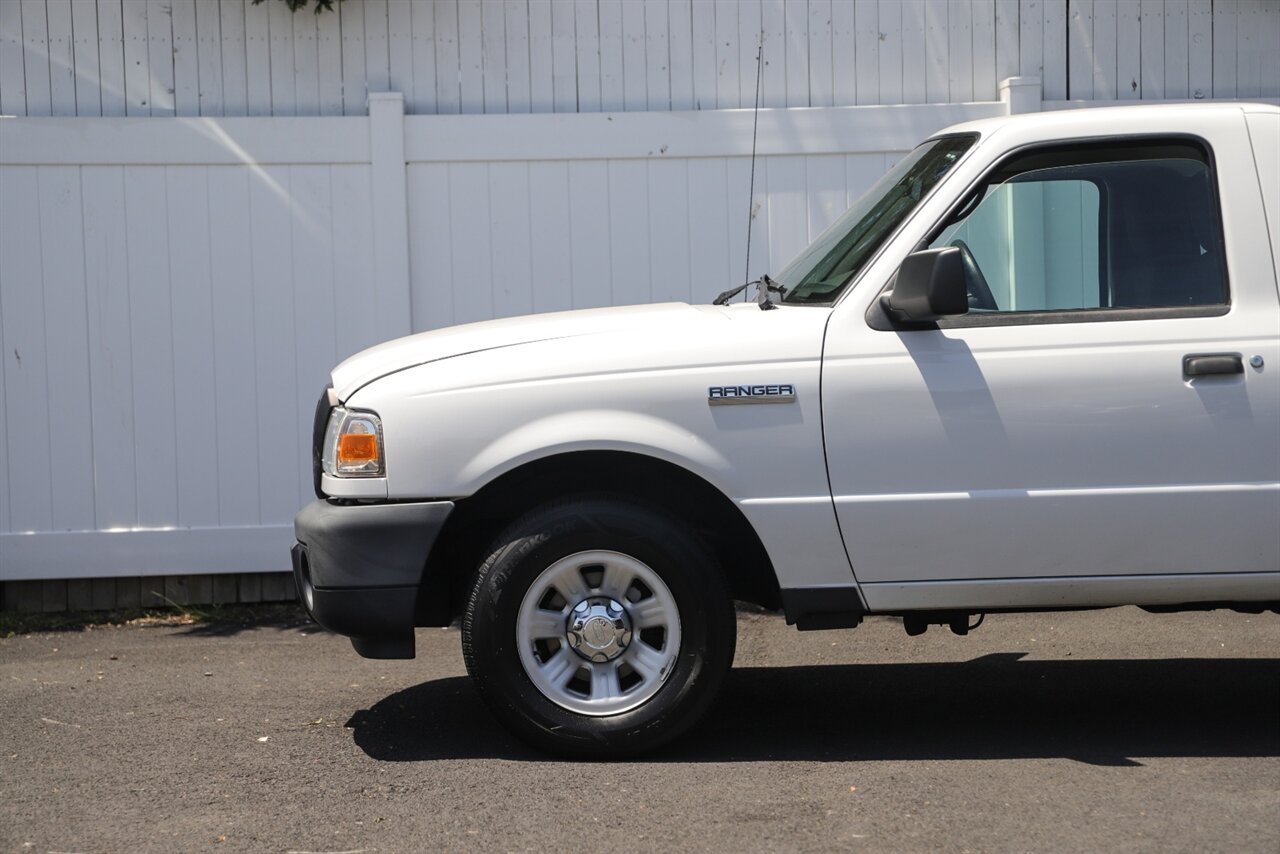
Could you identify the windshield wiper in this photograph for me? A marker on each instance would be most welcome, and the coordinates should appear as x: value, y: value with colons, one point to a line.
x: 764, y: 287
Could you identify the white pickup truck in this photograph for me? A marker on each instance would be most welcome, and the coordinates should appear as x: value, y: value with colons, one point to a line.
x: 1036, y: 367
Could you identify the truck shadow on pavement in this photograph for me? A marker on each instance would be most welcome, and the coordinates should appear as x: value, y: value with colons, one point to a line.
x: 994, y: 707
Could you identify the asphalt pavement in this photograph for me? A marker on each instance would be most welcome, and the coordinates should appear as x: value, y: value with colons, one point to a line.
x: 1100, y: 731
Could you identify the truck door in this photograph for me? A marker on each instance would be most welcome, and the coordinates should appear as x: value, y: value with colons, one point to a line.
x: 1109, y: 406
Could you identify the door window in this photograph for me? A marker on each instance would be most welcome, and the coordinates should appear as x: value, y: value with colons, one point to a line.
x: 1093, y: 228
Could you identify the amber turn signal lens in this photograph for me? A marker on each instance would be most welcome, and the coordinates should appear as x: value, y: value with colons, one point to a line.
x: 357, y: 448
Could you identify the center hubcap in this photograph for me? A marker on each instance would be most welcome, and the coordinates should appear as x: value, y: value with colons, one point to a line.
x: 598, y: 629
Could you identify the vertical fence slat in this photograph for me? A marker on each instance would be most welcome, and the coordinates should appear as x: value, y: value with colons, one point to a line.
x: 541, y: 91
x: 681, y: 46
x: 587, y: 45
x: 62, y: 73
x: 137, y: 80
x: 657, y: 56
x: 493, y: 34
x: 1269, y: 58
x: 821, y: 91
x: 329, y: 64
x: 634, y: 75
x: 669, y: 250
x: 1031, y: 39
x: 1200, y: 48
x: 1225, y: 17
x: 273, y: 300
x: 627, y: 197
x: 1054, y: 78
x: 13, y: 87
x: 159, y: 57
x: 825, y: 189
x: 915, y: 67
x: 194, y: 356
x: 67, y: 347
x: 1129, y: 51
x: 743, y: 213
x: 306, y: 64
x: 867, y: 53
x: 208, y: 58
x: 377, y: 51
x: 470, y: 57
x: 6, y: 429
x: 355, y: 75
x: 889, y: 70
x: 430, y: 245
x: 704, y: 52
x: 352, y: 245
x: 1176, y: 66
x: 797, y: 62
x: 400, y: 48
x: 550, y: 235
x: 235, y: 60
x: 257, y: 50
x: 844, y: 67
x: 589, y: 232
x: 708, y: 229
x: 314, y: 299
x: 788, y: 207
x: 564, y: 74
x: 284, y: 94
x: 1152, y: 34
x: 1104, y: 51
x: 110, y: 356
x: 984, y: 51
x: 1008, y: 61
x: 728, y: 91
x: 1080, y: 49
x: 151, y: 334
x: 937, y: 60
x: 424, y: 60
x: 773, y: 21
x: 511, y: 251
x: 1248, y: 45
x: 84, y: 25
x: 35, y: 46
x: 186, y: 58
x: 750, y: 23
x: 612, y: 83
x: 960, y: 50
x: 472, y: 249
x: 26, y: 384
x: 234, y: 348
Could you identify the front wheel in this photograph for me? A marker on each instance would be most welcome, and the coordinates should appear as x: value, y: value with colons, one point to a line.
x: 598, y: 627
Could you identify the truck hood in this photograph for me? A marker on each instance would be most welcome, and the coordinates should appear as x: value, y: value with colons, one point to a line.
x: 705, y: 323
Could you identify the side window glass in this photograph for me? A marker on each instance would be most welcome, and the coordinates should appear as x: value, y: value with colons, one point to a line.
x: 1130, y: 233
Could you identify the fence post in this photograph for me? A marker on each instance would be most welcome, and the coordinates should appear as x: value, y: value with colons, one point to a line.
x: 390, y: 214
x: 1020, y: 95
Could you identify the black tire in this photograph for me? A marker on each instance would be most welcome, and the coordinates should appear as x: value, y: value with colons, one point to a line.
x: 643, y: 533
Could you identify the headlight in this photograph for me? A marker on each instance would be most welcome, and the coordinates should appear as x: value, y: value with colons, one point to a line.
x: 353, y: 444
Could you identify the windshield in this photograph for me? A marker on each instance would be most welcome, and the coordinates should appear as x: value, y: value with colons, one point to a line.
x: 822, y: 271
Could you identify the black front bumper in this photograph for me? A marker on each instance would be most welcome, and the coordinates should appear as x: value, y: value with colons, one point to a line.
x: 358, y: 569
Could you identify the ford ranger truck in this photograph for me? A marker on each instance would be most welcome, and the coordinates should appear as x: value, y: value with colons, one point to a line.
x: 1035, y: 367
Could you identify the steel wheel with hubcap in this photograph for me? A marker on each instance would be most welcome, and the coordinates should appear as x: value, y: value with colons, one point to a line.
x: 598, y: 632
x: 574, y: 631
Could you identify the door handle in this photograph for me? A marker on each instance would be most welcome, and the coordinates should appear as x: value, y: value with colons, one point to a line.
x: 1204, y: 364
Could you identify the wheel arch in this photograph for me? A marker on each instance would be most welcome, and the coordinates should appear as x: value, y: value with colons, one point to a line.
x: 479, y: 518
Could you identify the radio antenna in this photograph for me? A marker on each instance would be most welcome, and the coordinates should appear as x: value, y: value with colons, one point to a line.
x: 751, y: 193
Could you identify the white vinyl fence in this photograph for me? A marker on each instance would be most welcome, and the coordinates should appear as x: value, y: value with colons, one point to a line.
x: 173, y: 292
x: 232, y: 58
